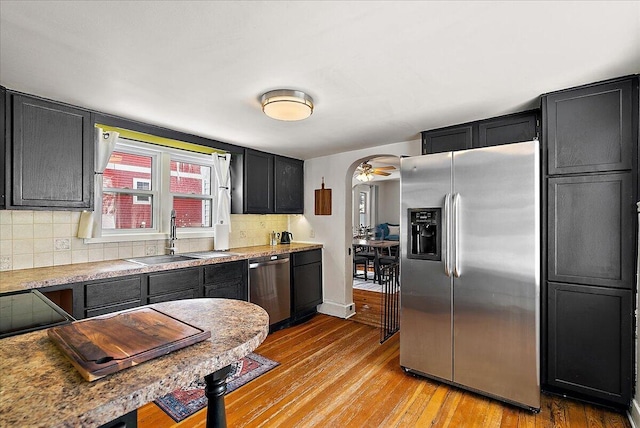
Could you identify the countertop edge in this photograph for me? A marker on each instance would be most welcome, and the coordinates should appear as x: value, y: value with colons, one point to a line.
x: 25, y: 279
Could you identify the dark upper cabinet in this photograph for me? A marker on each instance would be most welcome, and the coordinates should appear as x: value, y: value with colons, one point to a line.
x: 590, y: 230
x: 51, y: 156
x: 258, y: 179
x: 3, y: 148
x: 591, y: 128
x: 590, y: 341
x: 262, y: 183
x: 289, y: 185
x: 447, y: 139
x: 512, y: 128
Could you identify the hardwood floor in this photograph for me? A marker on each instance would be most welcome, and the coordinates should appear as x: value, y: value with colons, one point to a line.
x: 334, y: 373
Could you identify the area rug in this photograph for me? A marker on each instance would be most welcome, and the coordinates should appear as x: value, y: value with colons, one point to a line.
x: 183, y: 402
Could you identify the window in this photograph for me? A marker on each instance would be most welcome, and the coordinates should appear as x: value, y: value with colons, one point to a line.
x: 190, y: 187
x: 129, y: 198
x: 144, y: 182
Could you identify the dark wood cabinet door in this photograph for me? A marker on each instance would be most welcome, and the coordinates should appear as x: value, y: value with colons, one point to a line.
x: 173, y: 281
x: 3, y: 148
x: 447, y: 139
x: 514, y: 128
x: 258, y: 183
x: 289, y: 185
x: 307, y: 291
x: 590, y: 230
x: 590, y: 341
x: 227, y: 280
x: 102, y: 293
x: 306, y: 275
x: 590, y: 129
x: 52, y: 149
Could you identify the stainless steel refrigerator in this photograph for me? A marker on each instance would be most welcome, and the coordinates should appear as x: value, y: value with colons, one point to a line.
x: 470, y: 270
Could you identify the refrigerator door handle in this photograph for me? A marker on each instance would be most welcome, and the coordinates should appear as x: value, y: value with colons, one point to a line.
x: 456, y: 235
x: 446, y: 231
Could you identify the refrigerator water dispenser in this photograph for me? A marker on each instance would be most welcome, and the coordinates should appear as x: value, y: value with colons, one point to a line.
x: 425, y: 233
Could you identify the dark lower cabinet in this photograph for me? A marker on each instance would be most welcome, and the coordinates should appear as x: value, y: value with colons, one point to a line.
x: 228, y: 280
x: 306, y: 283
x: 51, y: 148
x: 590, y: 341
x: 102, y: 297
x: 173, y: 285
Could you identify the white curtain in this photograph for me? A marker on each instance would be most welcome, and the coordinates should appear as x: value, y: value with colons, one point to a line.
x: 221, y: 165
x: 105, y: 142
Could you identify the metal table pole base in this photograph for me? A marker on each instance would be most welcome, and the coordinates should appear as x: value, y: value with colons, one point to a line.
x: 216, y: 387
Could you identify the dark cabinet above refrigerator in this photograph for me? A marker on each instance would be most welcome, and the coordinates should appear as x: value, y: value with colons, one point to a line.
x: 512, y: 128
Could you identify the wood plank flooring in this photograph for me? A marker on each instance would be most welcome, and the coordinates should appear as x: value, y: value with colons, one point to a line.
x: 334, y: 373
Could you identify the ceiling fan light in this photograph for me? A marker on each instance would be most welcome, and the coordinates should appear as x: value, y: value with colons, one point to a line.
x: 364, y: 176
x: 287, y: 105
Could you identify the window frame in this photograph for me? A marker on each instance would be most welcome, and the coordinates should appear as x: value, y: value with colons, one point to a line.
x: 161, y: 195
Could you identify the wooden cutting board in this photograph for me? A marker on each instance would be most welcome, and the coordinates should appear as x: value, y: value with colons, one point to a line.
x: 104, y: 345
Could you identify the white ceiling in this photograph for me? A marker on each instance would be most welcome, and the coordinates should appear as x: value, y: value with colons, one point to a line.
x: 380, y: 72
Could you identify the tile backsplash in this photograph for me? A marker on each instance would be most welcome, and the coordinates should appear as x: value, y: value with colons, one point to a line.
x: 31, y: 239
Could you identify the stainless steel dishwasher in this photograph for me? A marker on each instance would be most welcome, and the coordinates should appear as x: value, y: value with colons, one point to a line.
x: 269, y: 286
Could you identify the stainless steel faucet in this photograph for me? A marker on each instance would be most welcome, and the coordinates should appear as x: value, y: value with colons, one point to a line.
x: 172, y: 234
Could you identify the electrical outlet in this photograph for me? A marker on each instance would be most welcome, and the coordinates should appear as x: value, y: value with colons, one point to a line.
x: 312, y: 234
x: 350, y: 308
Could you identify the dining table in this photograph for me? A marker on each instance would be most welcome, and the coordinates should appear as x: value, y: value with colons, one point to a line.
x: 377, y: 245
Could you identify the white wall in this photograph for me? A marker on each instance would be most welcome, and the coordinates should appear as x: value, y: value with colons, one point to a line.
x: 389, y: 201
x: 334, y: 231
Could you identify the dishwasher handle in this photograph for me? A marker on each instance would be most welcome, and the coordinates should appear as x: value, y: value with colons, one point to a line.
x: 268, y: 263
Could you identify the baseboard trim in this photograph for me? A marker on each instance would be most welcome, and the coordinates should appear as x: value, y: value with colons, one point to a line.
x: 339, y: 310
x: 634, y: 414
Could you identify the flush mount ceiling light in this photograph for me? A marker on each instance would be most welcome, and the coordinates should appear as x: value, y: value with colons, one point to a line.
x: 287, y: 104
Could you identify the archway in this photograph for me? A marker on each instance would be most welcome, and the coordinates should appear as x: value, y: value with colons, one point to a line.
x: 373, y: 202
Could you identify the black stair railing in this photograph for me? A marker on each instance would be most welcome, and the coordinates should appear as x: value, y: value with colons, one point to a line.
x: 390, y: 313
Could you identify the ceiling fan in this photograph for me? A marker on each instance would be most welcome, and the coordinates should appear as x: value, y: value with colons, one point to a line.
x: 365, y: 171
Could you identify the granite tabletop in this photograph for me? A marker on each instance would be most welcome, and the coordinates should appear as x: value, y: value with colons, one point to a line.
x: 40, y: 388
x: 23, y: 279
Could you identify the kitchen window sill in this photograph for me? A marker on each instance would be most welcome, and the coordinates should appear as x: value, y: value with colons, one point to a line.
x: 148, y: 237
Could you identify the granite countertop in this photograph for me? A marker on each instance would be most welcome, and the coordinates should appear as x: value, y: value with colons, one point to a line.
x: 18, y: 280
x: 40, y: 388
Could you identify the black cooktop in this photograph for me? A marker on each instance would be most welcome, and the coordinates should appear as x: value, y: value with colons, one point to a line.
x: 28, y: 310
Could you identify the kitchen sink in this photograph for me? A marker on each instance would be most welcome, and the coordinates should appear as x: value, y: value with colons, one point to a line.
x: 211, y: 254
x: 165, y: 258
